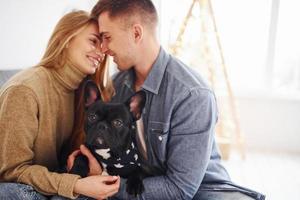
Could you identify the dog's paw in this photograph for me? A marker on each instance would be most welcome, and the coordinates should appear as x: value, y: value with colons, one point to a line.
x: 80, y: 166
x: 134, y: 186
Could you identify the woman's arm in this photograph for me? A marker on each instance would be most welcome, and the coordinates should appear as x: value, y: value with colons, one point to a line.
x: 98, y: 186
x: 19, y: 127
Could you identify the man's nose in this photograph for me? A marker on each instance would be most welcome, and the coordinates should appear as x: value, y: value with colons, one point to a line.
x: 99, y: 54
x: 104, y: 47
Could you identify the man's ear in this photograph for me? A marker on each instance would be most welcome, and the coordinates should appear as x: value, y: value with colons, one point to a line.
x: 136, y: 104
x: 91, y: 93
x: 138, y: 32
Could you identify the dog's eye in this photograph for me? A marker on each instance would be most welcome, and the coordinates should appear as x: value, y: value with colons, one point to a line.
x: 117, y: 123
x: 92, y: 118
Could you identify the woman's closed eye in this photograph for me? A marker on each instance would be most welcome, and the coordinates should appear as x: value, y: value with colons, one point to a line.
x: 95, y: 42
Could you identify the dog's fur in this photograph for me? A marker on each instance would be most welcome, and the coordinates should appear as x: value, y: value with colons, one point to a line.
x: 110, y: 136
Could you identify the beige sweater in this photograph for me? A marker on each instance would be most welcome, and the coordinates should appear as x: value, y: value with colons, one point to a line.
x: 36, y: 117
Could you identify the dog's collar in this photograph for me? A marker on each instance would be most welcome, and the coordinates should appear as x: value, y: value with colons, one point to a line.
x: 129, y: 157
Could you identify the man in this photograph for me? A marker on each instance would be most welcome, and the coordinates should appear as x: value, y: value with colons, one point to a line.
x: 177, y: 128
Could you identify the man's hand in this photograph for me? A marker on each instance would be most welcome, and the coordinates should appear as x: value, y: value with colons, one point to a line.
x: 71, y: 158
x: 98, y: 187
x: 95, y: 167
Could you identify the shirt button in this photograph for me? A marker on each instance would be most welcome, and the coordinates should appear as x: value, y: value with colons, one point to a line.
x: 160, y: 138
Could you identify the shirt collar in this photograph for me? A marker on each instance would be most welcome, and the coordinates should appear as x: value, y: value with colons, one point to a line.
x: 154, y: 78
x: 129, y: 79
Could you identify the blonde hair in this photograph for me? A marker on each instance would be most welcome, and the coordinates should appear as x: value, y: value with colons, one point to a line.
x: 55, y: 57
x: 66, y: 29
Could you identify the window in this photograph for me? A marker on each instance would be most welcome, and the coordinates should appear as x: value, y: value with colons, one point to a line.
x: 258, y: 38
x: 286, y: 73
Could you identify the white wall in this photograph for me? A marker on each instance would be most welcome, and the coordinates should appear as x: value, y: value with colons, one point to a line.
x: 26, y: 27
x: 270, y: 122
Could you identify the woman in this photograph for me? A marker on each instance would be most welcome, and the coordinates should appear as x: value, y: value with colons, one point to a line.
x: 37, y: 114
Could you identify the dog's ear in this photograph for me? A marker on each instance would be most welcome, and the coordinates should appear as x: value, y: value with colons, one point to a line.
x: 136, y: 104
x: 91, y: 93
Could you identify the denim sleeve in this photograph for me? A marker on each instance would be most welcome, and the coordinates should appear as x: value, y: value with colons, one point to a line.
x: 188, y: 149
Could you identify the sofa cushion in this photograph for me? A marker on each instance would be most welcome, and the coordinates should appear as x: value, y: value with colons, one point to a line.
x: 6, y: 74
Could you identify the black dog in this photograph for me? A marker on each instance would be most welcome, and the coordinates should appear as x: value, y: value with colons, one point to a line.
x: 110, y: 136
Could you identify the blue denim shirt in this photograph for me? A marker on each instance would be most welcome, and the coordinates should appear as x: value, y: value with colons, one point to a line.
x: 179, y: 121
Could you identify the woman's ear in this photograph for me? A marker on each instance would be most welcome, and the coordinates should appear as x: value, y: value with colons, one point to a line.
x: 91, y: 93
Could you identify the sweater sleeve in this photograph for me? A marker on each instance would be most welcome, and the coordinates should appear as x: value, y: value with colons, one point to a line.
x: 19, y: 126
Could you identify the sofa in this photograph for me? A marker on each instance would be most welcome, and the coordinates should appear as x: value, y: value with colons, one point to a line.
x: 6, y: 74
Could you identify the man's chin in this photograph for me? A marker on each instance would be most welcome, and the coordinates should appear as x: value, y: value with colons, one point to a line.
x: 122, y: 68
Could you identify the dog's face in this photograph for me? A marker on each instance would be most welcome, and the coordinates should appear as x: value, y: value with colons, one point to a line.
x: 110, y: 125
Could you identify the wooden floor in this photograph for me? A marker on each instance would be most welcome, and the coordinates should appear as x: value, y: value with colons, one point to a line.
x: 277, y: 175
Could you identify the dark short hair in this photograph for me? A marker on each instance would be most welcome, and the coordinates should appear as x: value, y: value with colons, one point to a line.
x: 145, y: 9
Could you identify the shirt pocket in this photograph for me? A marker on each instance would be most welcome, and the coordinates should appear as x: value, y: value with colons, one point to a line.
x: 159, y: 133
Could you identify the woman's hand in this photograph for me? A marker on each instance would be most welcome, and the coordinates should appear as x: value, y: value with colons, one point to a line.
x: 95, y: 167
x: 98, y: 187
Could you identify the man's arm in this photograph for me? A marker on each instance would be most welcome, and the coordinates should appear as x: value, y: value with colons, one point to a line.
x: 189, y: 149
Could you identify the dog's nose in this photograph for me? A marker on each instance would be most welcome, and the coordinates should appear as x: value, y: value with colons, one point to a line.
x: 102, y: 126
